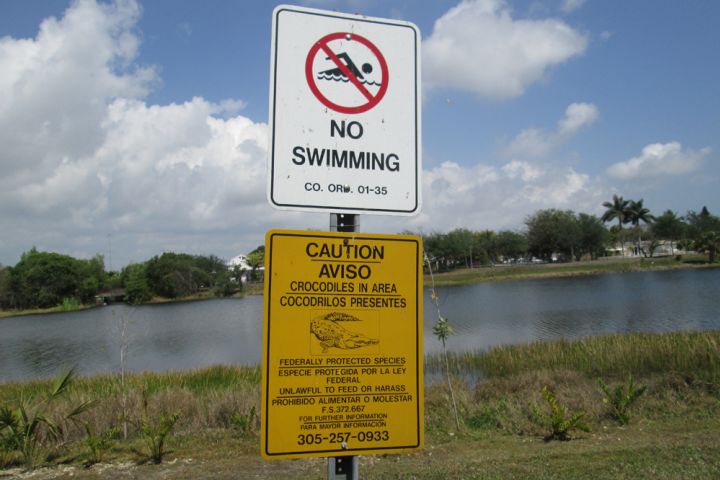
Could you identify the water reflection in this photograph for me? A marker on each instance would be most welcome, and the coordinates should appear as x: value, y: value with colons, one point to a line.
x: 486, y: 315
x: 229, y: 331
x: 158, y: 337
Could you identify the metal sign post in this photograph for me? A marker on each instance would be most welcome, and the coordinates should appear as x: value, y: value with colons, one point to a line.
x: 344, y: 222
x: 344, y: 468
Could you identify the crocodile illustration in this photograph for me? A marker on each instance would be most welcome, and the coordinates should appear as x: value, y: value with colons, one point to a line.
x: 328, y: 330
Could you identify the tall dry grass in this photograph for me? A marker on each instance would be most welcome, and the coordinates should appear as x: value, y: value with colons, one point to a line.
x: 205, y: 398
x: 681, y: 371
x: 684, y: 353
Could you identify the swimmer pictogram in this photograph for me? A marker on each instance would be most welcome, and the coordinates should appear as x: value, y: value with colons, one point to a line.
x: 336, y: 74
x: 333, y: 75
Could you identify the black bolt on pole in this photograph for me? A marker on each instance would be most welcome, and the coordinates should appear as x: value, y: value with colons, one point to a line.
x: 344, y: 222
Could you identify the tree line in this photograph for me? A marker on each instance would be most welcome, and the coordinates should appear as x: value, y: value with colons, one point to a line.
x: 564, y: 235
x: 48, y: 279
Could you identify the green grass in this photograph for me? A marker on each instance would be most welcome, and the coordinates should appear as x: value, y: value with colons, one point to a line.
x: 594, y: 267
x: 648, y: 451
x: 42, y: 311
x: 674, y: 429
x: 202, y: 382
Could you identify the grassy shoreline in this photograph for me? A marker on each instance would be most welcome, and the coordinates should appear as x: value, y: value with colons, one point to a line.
x: 674, y: 430
x: 251, y: 289
x: 601, y: 266
x: 43, y: 311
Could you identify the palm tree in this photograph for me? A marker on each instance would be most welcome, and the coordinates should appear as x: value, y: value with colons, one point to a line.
x: 708, y: 242
x: 618, y: 208
x: 638, y: 213
x: 669, y: 226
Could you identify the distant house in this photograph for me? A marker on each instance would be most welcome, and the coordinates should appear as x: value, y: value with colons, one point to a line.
x: 660, y: 248
x: 241, y: 261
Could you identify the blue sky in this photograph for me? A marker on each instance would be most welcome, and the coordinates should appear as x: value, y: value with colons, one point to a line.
x: 141, y: 127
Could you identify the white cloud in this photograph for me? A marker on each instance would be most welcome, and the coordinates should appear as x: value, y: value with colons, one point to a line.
x: 568, y: 190
x: 536, y: 142
x: 85, y: 159
x: 522, y: 170
x: 577, y: 116
x: 531, y: 143
x: 482, y: 196
x: 477, y: 46
x: 568, y: 6
x: 659, y: 159
x: 179, y: 166
x: 55, y: 87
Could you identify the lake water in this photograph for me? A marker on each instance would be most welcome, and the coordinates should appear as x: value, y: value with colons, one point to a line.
x: 229, y: 331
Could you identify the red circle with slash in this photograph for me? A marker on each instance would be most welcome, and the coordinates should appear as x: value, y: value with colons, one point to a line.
x: 372, y: 99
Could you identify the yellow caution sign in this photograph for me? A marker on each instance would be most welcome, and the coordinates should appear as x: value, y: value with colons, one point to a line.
x: 342, y: 370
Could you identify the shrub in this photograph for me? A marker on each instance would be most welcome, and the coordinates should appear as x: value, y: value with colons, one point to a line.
x: 484, y: 419
x: 70, y: 304
x: 560, y: 421
x: 243, y: 423
x: 7, y: 446
x: 29, y: 423
x: 155, y: 432
x: 99, y: 444
x: 620, y: 399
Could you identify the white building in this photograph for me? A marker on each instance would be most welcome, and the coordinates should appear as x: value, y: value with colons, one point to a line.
x: 241, y: 261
